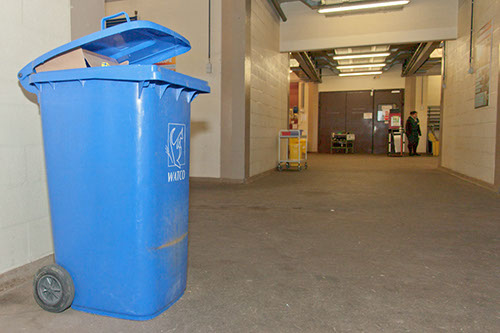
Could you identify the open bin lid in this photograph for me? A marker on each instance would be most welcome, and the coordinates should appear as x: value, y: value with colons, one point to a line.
x: 138, y: 42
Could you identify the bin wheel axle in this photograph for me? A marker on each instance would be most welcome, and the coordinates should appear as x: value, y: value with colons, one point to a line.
x: 53, y: 288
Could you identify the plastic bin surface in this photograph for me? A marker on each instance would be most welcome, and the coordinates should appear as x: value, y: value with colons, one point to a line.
x: 116, y: 143
x: 294, y: 148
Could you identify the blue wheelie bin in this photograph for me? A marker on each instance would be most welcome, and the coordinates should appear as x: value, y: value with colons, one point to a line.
x: 116, y: 141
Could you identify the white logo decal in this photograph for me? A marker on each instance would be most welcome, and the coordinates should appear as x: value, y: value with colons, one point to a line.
x: 176, y: 151
x: 176, y: 146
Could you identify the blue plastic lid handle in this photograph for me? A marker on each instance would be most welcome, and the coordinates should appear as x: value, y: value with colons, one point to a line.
x: 104, y: 19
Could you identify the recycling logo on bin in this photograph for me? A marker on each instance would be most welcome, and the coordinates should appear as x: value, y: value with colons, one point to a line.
x: 176, y: 151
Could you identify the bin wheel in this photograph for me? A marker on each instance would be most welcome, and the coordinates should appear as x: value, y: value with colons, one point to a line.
x: 287, y: 165
x: 53, y: 288
x: 279, y: 167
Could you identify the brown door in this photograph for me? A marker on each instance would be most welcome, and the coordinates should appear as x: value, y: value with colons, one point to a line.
x: 332, y: 117
x: 380, y: 128
x: 359, y: 119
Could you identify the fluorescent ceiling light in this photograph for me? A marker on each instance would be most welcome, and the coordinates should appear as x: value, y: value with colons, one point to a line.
x: 360, y: 73
x: 360, y: 66
x: 358, y: 56
x: 361, y: 6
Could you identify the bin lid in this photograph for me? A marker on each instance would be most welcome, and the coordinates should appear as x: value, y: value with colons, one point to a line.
x: 138, y: 42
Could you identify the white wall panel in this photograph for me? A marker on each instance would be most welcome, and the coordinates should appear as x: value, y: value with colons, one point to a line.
x: 28, y: 30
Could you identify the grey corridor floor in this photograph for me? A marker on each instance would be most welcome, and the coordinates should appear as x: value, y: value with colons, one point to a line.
x: 354, y: 244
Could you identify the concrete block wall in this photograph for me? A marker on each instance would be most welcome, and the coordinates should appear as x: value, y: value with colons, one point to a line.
x: 469, y: 134
x: 427, y: 92
x: 269, y: 87
x: 28, y: 30
x: 312, y: 103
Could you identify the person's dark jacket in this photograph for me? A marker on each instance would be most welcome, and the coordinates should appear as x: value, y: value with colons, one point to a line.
x: 413, y: 129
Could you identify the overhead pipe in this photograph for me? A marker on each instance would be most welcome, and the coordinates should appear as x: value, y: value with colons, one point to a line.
x: 330, y: 64
x: 395, y: 59
x: 471, y: 67
x: 279, y: 11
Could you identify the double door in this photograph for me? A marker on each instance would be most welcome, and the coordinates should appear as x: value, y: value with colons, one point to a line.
x: 357, y: 112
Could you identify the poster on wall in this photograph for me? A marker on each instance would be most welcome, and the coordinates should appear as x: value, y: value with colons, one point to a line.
x: 396, y: 121
x: 383, y: 112
x: 483, y: 65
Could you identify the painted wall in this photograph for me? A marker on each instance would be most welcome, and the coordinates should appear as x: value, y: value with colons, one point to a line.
x: 191, y: 21
x: 469, y: 134
x: 421, y: 20
x: 86, y: 17
x: 427, y: 93
x: 294, y: 94
x: 269, y: 87
x: 389, y: 80
x: 303, y: 107
x: 28, y: 30
x: 434, y: 90
x: 312, y: 106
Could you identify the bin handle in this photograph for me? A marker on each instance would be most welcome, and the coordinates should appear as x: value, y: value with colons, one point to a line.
x: 104, y: 19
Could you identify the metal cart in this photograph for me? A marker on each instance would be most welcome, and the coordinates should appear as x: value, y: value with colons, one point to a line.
x: 396, y: 142
x: 342, y: 142
x: 295, y: 151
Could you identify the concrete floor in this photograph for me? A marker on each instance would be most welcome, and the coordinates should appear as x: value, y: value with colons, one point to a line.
x: 354, y: 244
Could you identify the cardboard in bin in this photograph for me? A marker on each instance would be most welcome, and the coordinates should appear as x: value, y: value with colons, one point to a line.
x: 77, y: 58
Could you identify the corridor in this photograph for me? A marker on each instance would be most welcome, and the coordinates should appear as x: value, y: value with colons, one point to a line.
x: 353, y: 244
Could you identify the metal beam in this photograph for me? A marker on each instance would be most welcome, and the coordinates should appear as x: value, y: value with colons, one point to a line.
x: 307, y: 66
x: 420, y: 56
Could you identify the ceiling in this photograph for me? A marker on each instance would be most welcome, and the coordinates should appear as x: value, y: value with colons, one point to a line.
x: 414, y: 58
x: 326, y: 64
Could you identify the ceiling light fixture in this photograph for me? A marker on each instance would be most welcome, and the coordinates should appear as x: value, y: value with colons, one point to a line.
x: 360, y: 73
x: 361, y: 6
x: 358, y: 56
x: 360, y: 66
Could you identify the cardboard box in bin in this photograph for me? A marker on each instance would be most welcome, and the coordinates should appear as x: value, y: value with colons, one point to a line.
x: 77, y: 58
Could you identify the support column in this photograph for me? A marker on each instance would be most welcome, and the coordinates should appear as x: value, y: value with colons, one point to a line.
x: 235, y: 86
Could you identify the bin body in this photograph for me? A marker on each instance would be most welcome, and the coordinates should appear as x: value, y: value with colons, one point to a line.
x: 117, y: 159
x: 294, y: 148
x: 116, y: 143
x: 435, y: 148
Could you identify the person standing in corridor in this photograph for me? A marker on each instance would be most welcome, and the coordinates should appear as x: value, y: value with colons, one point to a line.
x: 413, y: 132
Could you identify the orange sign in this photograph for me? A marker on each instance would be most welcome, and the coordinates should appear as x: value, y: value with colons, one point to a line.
x: 168, y: 63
